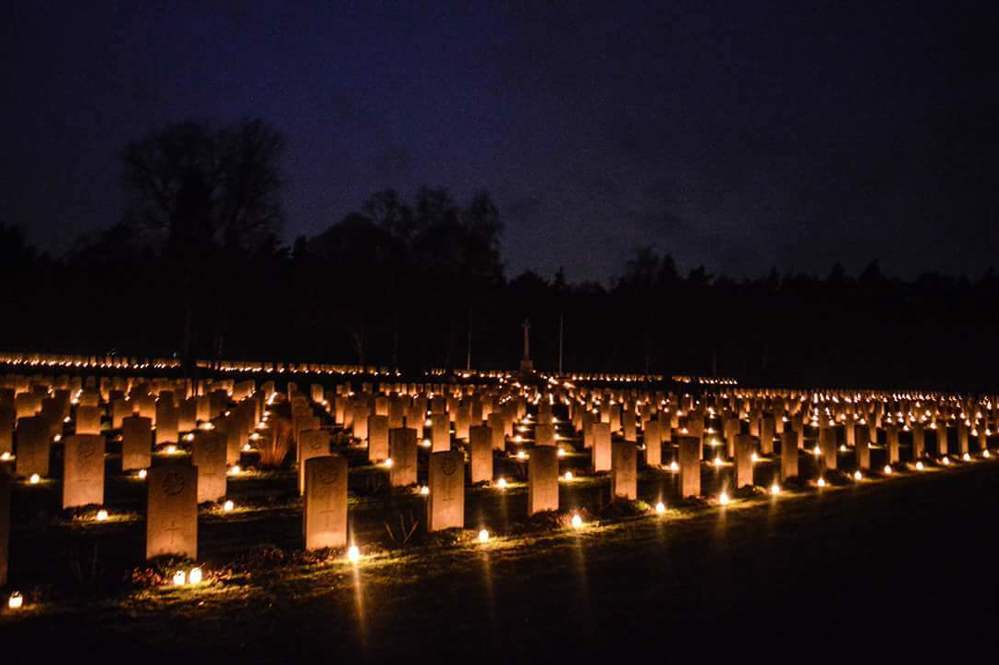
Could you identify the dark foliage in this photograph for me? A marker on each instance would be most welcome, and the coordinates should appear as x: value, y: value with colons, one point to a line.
x: 194, y: 269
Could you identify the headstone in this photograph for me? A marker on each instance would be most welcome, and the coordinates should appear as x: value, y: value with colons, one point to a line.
x: 601, y: 452
x: 690, y: 465
x: 862, y: 448
x: 652, y: 438
x: 229, y: 428
x: 136, y: 443
x: 624, y: 466
x: 402, y: 450
x: 743, y: 460
x: 788, y: 454
x: 440, y: 435
x: 446, y: 506
x: 4, y: 526
x: 827, y: 447
x: 325, y: 519
x: 120, y: 409
x: 312, y: 443
x: 7, y: 421
x: 378, y: 433
x: 497, y: 428
x: 209, y: 459
x: 172, y: 511
x: 83, y: 471
x: 360, y: 422
x: 187, y: 415
x: 942, y: 443
x: 166, y: 421
x: 629, y: 424
x: 918, y: 440
x: 544, y: 435
x: 542, y: 480
x: 480, y: 443
x: 767, y: 428
x: 33, y: 436
x: 891, y: 442
x: 88, y: 419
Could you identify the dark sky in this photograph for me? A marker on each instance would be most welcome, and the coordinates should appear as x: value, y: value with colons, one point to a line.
x: 736, y: 134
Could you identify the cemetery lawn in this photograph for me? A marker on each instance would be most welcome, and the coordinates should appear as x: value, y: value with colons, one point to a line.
x: 905, y: 567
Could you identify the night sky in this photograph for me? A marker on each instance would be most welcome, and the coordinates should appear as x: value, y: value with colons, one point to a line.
x: 740, y: 135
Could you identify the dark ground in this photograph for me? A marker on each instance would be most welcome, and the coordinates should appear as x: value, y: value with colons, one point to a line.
x: 899, y: 568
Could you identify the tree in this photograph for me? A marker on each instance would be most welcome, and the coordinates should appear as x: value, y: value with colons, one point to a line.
x: 197, y: 187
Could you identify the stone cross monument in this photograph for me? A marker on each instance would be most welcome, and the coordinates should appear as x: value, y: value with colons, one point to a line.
x: 526, y: 366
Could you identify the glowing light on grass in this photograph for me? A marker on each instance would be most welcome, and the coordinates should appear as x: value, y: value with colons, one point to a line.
x: 945, y: 460
x: 195, y: 576
x: 15, y: 601
x: 521, y: 455
x: 5, y: 456
x: 576, y: 521
x: 518, y: 438
x: 501, y: 483
x: 483, y: 536
x: 141, y: 474
x: 660, y: 507
x: 567, y: 475
x: 246, y: 448
x: 228, y: 506
x: 775, y: 489
x: 353, y: 554
x: 821, y: 482
x: 425, y: 443
x: 966, y: 457
x: 857, y: 475
x: 102, y: 515
x: 724, y: 498
x: 235, y: 470
x: 919, y: 466
x: 754, y: 458
x: 179, y: 578
x: 561, y: 452
x: 388, y: 463
x: 888, y: 469
x: 171, y: 449
x: 816, y: 451
x: 424, y: 490
x: 717, y: 461
x: 34, y: 479
x: 986, y: 454
x: 674, y: 467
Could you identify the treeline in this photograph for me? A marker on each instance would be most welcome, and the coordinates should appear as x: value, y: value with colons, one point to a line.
x: 195, y: 269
